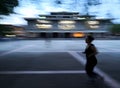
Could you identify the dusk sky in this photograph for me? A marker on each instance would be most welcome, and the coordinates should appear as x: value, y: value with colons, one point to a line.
x: 32, y: 8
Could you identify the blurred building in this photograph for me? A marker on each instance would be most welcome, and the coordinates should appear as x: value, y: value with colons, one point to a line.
x: 8, y: 30
x: 66, y: 25
x: 19, y: 31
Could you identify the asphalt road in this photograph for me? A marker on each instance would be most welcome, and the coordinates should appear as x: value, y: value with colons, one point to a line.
x: 56, y: 64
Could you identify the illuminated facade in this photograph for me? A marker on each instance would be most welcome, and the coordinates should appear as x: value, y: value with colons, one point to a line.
x: 66, y: 24
x: 12, y: 31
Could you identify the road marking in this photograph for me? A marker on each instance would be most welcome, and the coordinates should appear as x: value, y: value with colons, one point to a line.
x: 15, y: 50
x: 110, y: 81
x: 49, y: 51
x: 42, y: 72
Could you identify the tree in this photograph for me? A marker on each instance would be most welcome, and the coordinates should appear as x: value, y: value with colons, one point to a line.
x: 6, y: 6
x: 5, y: 30
x: 115, y: 29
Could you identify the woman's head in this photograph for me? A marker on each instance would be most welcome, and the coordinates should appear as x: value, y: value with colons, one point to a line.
x: 89, y: 39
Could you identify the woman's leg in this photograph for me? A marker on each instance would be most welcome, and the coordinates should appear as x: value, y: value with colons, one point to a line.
x: 89, y: 69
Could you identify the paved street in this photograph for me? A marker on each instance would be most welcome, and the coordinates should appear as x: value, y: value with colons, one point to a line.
x: 57, y: 64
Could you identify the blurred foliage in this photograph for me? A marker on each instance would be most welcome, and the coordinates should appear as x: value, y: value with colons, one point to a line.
x: 115, y: 29
x: 6, y: 6
x: 4, y: 30
x: 93, y: 2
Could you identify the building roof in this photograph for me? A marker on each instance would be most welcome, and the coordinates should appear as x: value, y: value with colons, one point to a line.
x: 66, y: 16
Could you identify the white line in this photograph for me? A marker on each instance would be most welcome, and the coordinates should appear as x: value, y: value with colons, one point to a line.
x: 53, y: 51
x: 110, y: 81
x: 15, y: 50
x: 42, y: 72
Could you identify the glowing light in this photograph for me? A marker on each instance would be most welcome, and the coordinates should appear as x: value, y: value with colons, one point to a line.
x: 42, y: 17
x: 93, y: 22
x: 66, y: 22
x: 66, y: 26
x: 44, y: 26
x: 78, y: 34
x: 43, y: 21
x: 10, y: 35
x: 81, y: 18
x: 94, y: 26
x: 100, y: 17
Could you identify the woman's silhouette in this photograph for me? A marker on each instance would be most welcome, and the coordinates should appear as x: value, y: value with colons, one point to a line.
x: 90, y: 52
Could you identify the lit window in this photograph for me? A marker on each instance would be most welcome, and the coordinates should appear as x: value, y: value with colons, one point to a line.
x: 66, y: 22
x: 100, y: 17
x: 78, y: 34
x: 81, y: 18
x: 66, y: 25
x: 92, y: 24
x: 42, y: 17
x: 44, y: 26
x: 43, y: 21
x: 10, y: 35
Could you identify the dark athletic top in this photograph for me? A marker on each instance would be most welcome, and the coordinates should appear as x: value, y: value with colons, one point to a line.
x: 89, y: 51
